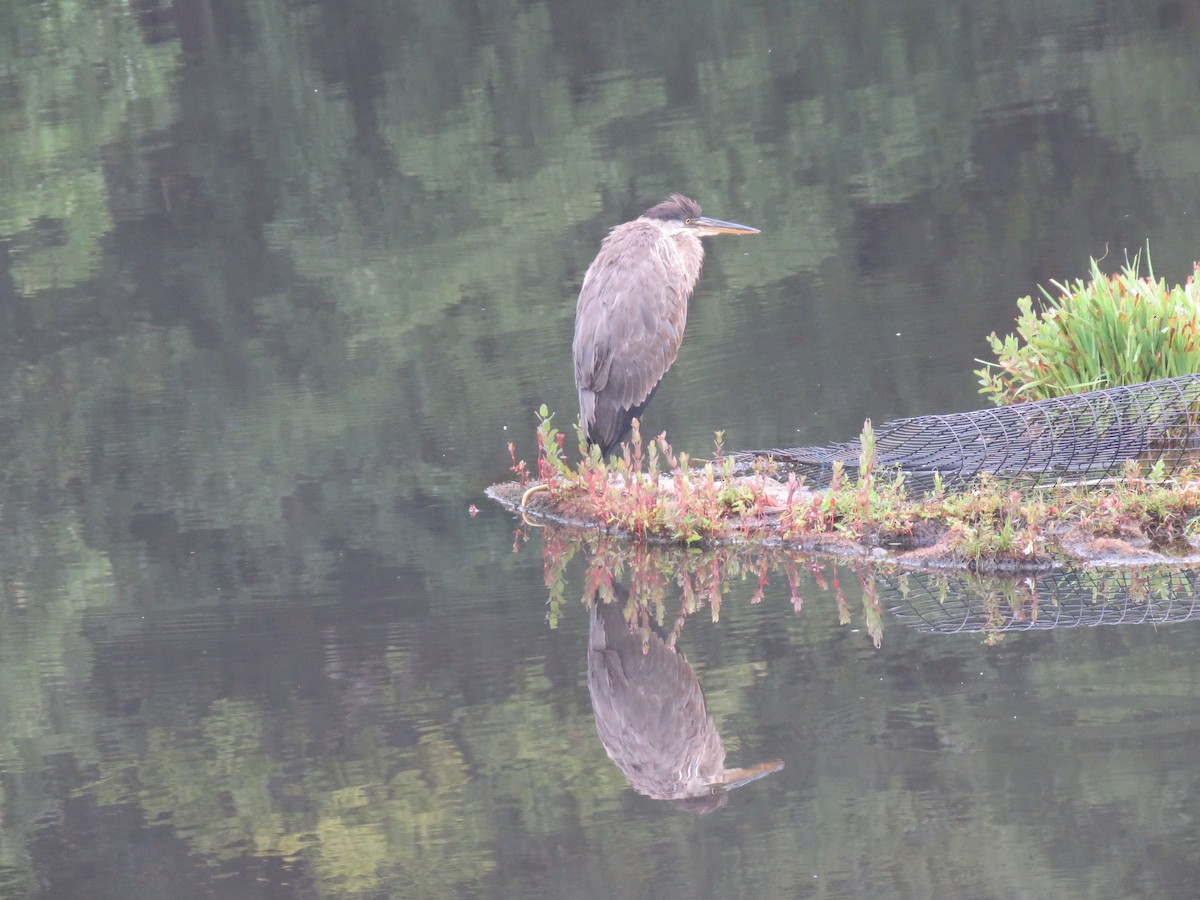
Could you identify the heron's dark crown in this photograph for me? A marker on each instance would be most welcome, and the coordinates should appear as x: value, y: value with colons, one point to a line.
x: 675, y: 208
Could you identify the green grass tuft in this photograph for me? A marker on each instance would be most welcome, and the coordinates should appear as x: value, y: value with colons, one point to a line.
x: 1107, y: 331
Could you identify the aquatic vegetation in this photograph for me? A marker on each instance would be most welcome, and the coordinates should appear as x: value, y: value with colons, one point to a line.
x: 1110, y: 330
x: 652, y: 494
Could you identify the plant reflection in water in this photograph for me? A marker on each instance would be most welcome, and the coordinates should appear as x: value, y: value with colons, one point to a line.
x: 656, y: 576
x: 943, y: 602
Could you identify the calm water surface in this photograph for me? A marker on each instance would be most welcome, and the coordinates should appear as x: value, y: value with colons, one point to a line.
x: 279, y: 282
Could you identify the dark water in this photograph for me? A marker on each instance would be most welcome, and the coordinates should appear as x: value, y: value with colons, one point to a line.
x: 278, y: 283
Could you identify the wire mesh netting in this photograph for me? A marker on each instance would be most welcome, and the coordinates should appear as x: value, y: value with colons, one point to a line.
x: 960, y: 604
x: 1077, y: 437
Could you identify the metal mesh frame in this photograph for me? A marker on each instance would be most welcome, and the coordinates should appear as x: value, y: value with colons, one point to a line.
x: 1076, y: 437
x: 958, y: 604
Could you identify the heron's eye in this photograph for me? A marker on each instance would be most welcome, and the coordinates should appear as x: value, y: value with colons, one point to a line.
x: 687, y: 221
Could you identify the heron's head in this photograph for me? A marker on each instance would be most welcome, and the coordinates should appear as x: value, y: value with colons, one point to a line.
x: 678, y: 212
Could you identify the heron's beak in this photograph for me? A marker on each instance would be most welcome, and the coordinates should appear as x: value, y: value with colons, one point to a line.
x: 707, y: 226
x: 734, y: 778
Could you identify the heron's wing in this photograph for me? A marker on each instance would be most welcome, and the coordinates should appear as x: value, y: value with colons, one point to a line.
x: 628, y: 326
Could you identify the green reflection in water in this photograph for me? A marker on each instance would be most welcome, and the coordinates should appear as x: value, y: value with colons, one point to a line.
x: 85, y: 81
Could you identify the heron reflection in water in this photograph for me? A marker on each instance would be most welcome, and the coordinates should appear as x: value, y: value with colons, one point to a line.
x: 632, y: 310
x: 651, y: 715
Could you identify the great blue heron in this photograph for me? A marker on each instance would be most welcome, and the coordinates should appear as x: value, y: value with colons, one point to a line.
x: 651, y: 715
x: 632, y: 311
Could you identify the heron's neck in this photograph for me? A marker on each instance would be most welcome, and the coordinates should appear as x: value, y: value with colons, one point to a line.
x: 690, y: 252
